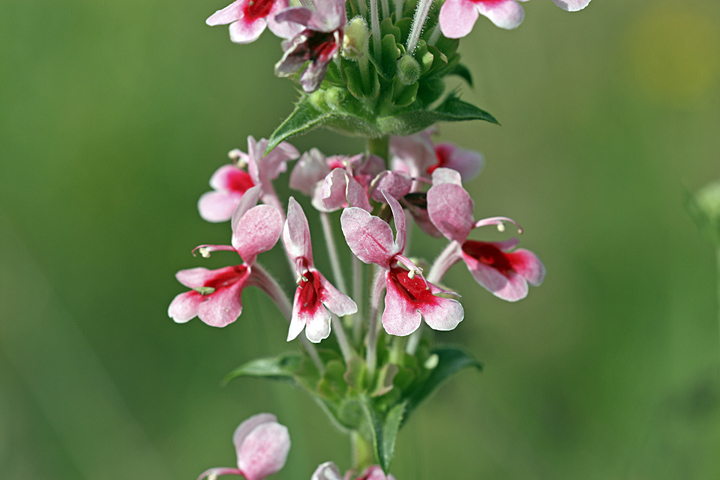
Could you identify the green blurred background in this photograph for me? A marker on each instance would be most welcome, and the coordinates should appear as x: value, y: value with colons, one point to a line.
x: 113, y: 116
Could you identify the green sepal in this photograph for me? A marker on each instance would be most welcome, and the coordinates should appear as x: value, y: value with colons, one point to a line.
x: 383, y: 430
x: 407, y: 95
x: 356, y: 374
x: 450, y: 360
x: 385, y: 379
x: 440, y: 62
x: 405, y: 25
x: 333, y: 75
x: 390, y: 55
x: 430, y: 90
x: 424, y: 57
x: 447, y: 45
x: 332, y: 386
x: 388, y: 28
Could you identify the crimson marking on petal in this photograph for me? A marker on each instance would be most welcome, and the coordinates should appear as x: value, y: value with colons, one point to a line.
x: 255, y: 9
x: 311, y: 293
x: 239, y: 181
x: 442, y: 153
x: 488, y: 254
x: 414, y: 289
x: 226, y: 277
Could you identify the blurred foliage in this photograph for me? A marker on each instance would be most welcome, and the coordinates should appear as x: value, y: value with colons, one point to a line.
x: 113, y: 116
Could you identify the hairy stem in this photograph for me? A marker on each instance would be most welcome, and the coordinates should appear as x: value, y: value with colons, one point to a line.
x: 375, y: 27
x: 332, y: 250
x: 371, y: 353
x: 379, y: 146
x: 362, y: 452
x: 421, y: 13
x: 358, y: 279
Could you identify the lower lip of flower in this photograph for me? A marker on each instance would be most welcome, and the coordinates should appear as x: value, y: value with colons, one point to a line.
x: 255, y: 9
x: 488, y: 254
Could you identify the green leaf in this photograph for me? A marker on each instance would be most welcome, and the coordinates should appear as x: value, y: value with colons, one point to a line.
x: 463, y: 72
x: 450, y: 360
x: 304, y: 118
x: 283, y: 367
x: 384, y: 430
x: 453, y: 109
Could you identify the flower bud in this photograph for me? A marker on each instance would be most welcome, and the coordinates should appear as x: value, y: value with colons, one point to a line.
x: 408, y: 70
x: 355, y: 41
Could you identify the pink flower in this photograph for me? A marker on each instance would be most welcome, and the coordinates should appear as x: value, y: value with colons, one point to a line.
x: 504, y: 273
x: 409, y: 298
x: 457, y: 17
x: 339, y: 181
x: 262, y: 447
x: 418, y: 156
x: 230, y: 182
x: 315, y: 297
x: 248, y: 19
x: 330, y: 471
x: 216, y: 294
x: 319, y: 41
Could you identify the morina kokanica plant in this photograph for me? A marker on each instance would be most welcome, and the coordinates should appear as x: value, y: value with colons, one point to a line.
x: 375, y: 71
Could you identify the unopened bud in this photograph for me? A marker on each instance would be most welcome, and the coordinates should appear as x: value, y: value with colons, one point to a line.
x: 432, y: 361
x: 408, y: 70
x: 355, y: 41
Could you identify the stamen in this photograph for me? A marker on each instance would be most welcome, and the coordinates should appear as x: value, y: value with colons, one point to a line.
x: 501, y: 227
x: 205, y: 290
x: 204, y: 252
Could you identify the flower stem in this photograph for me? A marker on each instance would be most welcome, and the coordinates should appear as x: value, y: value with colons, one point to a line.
x: 371, y: 353
x: 358, y: 279
x: 375, y: 26
x: 378, y: 146
x: 362, y: 6
x: 339, y: 331
x: 399, y: 4
x: 332, y: 250
x: 421, y: 13
x: 447, y: 258
x: 385, y: 8
x: 362, y: 452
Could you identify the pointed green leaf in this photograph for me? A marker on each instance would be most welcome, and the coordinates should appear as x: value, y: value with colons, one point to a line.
x: 283, y: 367
x: 384, y: 430
x: 450, y: 360
x: 453, y: 109
x: 304, y: 118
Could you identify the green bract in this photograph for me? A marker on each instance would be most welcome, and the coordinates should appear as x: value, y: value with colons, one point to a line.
x: 373, y: 94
